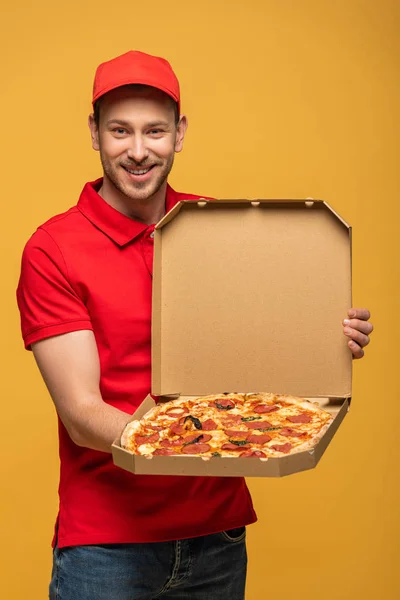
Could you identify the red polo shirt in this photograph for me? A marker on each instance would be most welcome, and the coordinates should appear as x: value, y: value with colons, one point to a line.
x: 91, y: 268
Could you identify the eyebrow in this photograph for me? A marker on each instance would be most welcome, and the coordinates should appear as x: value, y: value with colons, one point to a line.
x: 127, y: 124
x: 157, y: 124
x: 117, y: 122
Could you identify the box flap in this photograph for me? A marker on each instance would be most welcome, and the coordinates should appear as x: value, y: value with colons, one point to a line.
x: 250, y: 296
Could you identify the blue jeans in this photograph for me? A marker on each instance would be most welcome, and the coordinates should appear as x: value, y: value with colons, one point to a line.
x: 211, y: 567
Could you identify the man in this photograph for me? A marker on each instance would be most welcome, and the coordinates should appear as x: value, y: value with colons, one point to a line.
x: 85, y: 302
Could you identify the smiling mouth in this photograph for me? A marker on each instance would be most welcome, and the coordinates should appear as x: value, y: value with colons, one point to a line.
x: 138, y: 171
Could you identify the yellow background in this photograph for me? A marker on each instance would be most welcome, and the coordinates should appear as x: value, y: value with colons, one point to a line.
x: 285, y: 98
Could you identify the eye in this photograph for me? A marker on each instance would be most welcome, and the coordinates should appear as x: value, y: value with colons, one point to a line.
x: 156, y: 132
x: 119, y: 131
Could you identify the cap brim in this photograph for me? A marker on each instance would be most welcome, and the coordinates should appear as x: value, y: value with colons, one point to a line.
x: 138, y: 81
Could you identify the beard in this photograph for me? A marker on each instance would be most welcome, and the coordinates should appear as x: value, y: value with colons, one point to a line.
x: 137, y: 190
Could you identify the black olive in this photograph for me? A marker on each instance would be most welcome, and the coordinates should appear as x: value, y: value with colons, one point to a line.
x: 195, y: 421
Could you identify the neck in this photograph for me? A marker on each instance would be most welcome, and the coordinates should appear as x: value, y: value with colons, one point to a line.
x: 149, y: 210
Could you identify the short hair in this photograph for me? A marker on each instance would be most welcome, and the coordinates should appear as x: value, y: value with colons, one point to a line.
x: 134, y: 86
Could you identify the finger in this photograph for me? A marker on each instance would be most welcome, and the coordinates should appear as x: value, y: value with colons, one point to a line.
x: 359, y: 313
x: 355, y: 349
x: 357, y: 336
x: 363, y: 326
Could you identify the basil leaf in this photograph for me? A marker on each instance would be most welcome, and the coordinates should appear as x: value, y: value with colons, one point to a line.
x: 239, y: 442
x: 223, y: 407
x: 195, y: 441
x: 217, y: 454
x: 245, y: 419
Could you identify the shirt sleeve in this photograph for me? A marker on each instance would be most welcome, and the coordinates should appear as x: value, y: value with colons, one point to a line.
x: 47, y: 301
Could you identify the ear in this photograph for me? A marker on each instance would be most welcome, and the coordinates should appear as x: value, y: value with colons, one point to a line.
x: 180, y: 133
x: 94, y: 132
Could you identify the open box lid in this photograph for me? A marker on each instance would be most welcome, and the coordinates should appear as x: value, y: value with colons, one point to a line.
x: 249, y: 296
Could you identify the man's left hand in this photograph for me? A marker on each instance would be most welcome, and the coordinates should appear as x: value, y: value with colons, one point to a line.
x: 357, y: 328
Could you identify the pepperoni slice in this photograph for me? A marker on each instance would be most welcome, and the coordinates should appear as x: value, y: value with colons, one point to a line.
x: 176, y: 429
x: 209, y: 425
x: 265, y: 408
x: 155, y: 427
x: 189, y: 438
x: 223, y: 404
x: 196, y: 448
x: 303, y: 418
x: 176, y: 411
x: 258, y: 439
x: 253, y: 453
x: 229, y: 446
x: 166, y: 443
x: 288, y: 432
x: 285, y: 448
x: 204, y: 437
x: 164, y: 452
x: 237, y: 435
x: 146, y: 439
x: 230, y: 419
x: 258, y: 425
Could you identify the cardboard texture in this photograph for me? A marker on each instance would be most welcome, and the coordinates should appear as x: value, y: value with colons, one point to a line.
x: 251, y: 298
x: 248, y: 296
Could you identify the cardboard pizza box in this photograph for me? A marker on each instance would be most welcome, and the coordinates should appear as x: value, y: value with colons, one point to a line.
x: 249, y: 296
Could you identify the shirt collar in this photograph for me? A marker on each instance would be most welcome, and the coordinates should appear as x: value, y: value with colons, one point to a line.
x: 117, y: 226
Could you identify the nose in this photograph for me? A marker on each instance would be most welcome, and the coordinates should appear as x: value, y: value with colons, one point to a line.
x: 137, y: 150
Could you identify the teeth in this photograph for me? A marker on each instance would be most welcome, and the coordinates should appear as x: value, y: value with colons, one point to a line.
x: 141, y: 172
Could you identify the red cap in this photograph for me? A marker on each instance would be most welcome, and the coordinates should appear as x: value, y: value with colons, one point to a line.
x: 136, y: 67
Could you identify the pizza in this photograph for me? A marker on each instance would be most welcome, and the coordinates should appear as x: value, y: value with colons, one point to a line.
x: 258, y: 425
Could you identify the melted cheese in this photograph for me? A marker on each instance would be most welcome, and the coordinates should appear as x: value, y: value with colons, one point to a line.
x: 145, y: 449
